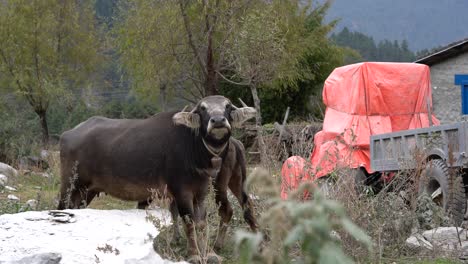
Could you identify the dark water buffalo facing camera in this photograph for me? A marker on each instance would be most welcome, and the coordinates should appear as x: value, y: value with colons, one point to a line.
x: 233, y: 176
x: 181, y: 152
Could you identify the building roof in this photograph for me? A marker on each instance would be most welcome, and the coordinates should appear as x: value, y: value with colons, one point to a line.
x: 449, y: 51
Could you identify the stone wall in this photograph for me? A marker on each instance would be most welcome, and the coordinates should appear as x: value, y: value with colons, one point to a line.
x: 445, y: 94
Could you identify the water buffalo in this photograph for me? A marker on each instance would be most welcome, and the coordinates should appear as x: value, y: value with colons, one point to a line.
x: 180, y: 152
x: 232, y: 175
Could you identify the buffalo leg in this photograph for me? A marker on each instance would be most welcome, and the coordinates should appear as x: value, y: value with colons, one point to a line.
x: 175, y: 221
x: 185, y: 207
x: 200, y: 225
x: 68, y: 190
x: 143, y: 204
x: 70, y: 198
x: 225, y: 212
x: 245, y: 202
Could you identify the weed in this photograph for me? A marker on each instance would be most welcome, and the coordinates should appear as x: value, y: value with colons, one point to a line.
x: 297, y: 231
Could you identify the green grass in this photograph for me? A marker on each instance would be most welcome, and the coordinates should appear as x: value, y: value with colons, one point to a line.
x: 46, y: 191
x: 426, y: 261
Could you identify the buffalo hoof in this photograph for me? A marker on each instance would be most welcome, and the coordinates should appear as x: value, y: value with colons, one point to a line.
x: 212, y: 258
x: 218, y: 244
x: 195, y: 259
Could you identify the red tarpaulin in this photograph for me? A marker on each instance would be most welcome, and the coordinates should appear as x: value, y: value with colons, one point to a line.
x: 361, y: 100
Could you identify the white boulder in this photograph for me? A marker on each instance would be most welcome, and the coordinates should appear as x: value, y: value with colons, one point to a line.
x: 3, y: 180
x: 87, y: 236
x: 12, y: 197
x: 11, y: 189
x: 445, y: 235
x: 43, y: 258
x: 7, y: 170
x: 417, y: 241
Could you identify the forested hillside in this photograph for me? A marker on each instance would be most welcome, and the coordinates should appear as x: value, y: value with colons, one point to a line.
x: 370, y: 50
x: 423, y: 23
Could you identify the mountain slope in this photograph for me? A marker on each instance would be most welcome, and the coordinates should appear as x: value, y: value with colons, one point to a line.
x: 424, y: 23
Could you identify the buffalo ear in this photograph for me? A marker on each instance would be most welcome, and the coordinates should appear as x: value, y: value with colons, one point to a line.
x: 188, y: 119
x: 240, y: 115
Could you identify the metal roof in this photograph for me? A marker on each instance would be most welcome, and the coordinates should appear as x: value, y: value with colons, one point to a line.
x: 444, y: 53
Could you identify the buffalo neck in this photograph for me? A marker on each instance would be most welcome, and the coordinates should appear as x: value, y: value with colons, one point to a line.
x: 212, y: 147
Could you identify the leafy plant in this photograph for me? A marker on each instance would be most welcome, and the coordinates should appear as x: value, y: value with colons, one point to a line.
x: 298, y: 231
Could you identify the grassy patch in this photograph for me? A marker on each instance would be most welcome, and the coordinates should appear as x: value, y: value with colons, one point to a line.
x: 109, y: 202
x: 424, y: 261
x: 30, y: 186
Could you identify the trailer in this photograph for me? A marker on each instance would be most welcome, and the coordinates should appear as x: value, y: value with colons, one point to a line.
x: 438, y: 153
x: 362, y: 100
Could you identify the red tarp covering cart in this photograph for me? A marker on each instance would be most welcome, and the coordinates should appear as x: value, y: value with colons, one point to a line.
x: 362, y: 99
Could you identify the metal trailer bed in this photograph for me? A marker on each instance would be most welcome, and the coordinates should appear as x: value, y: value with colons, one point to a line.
x: 440, y: 152
x: 398, y: 150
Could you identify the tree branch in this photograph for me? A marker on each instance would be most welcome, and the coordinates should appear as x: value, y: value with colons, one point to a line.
x: 190, y: 37
x: 231, y: 81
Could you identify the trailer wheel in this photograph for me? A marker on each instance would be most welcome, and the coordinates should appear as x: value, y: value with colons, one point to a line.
x: 360, y: 180
x: 366, y: 183
x: 446, y: 189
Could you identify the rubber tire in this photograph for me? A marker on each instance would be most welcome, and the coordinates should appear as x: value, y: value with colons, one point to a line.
x: 453, y: 191
x: 360, y: 180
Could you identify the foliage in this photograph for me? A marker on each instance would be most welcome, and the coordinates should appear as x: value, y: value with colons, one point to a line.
x: 47, y: 47
x: 384, y: 50
x: 148, y: 38
x: 105, y: 9
x: 298, y: 231
x: 60, y: 118
x: 316, y: 62
x: 162, y: 44
x: 131, y: 108
x: 19, y: 130
x: 174, y: 43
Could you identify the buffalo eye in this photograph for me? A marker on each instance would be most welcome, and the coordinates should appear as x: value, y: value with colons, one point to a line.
x: 228, y: 107
x: 203, y: 108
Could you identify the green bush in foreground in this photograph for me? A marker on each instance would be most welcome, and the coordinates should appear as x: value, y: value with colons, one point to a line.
x: 296, y: 231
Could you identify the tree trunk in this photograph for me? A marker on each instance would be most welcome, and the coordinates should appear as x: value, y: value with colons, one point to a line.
x: 163, y: 97
x: 45, y: 129
x: 211, y: 87
x: 258, y: 117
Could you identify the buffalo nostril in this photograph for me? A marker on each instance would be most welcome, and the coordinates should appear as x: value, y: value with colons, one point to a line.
x: 223, y: 119
x: 212, y: 120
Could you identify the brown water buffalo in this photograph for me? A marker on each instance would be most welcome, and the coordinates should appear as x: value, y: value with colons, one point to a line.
x: 179, y: 152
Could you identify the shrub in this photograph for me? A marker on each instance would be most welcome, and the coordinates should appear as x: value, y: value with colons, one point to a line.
x: 295, y: 230
x: 19, y: 130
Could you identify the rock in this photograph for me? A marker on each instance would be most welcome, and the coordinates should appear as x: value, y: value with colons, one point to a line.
x: 96, y: 236
x: 43, y: 174
x: 42, y: 258
x: 44, y: 154
x: 3, y: 180
x: 12, y: 197
x: 464, y: 250
x: 29, y: 205
x: 11, y: 189
x: 417, y: 241
x: 62, y: 217
x: 7, y: 170
x: 445, y: 235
